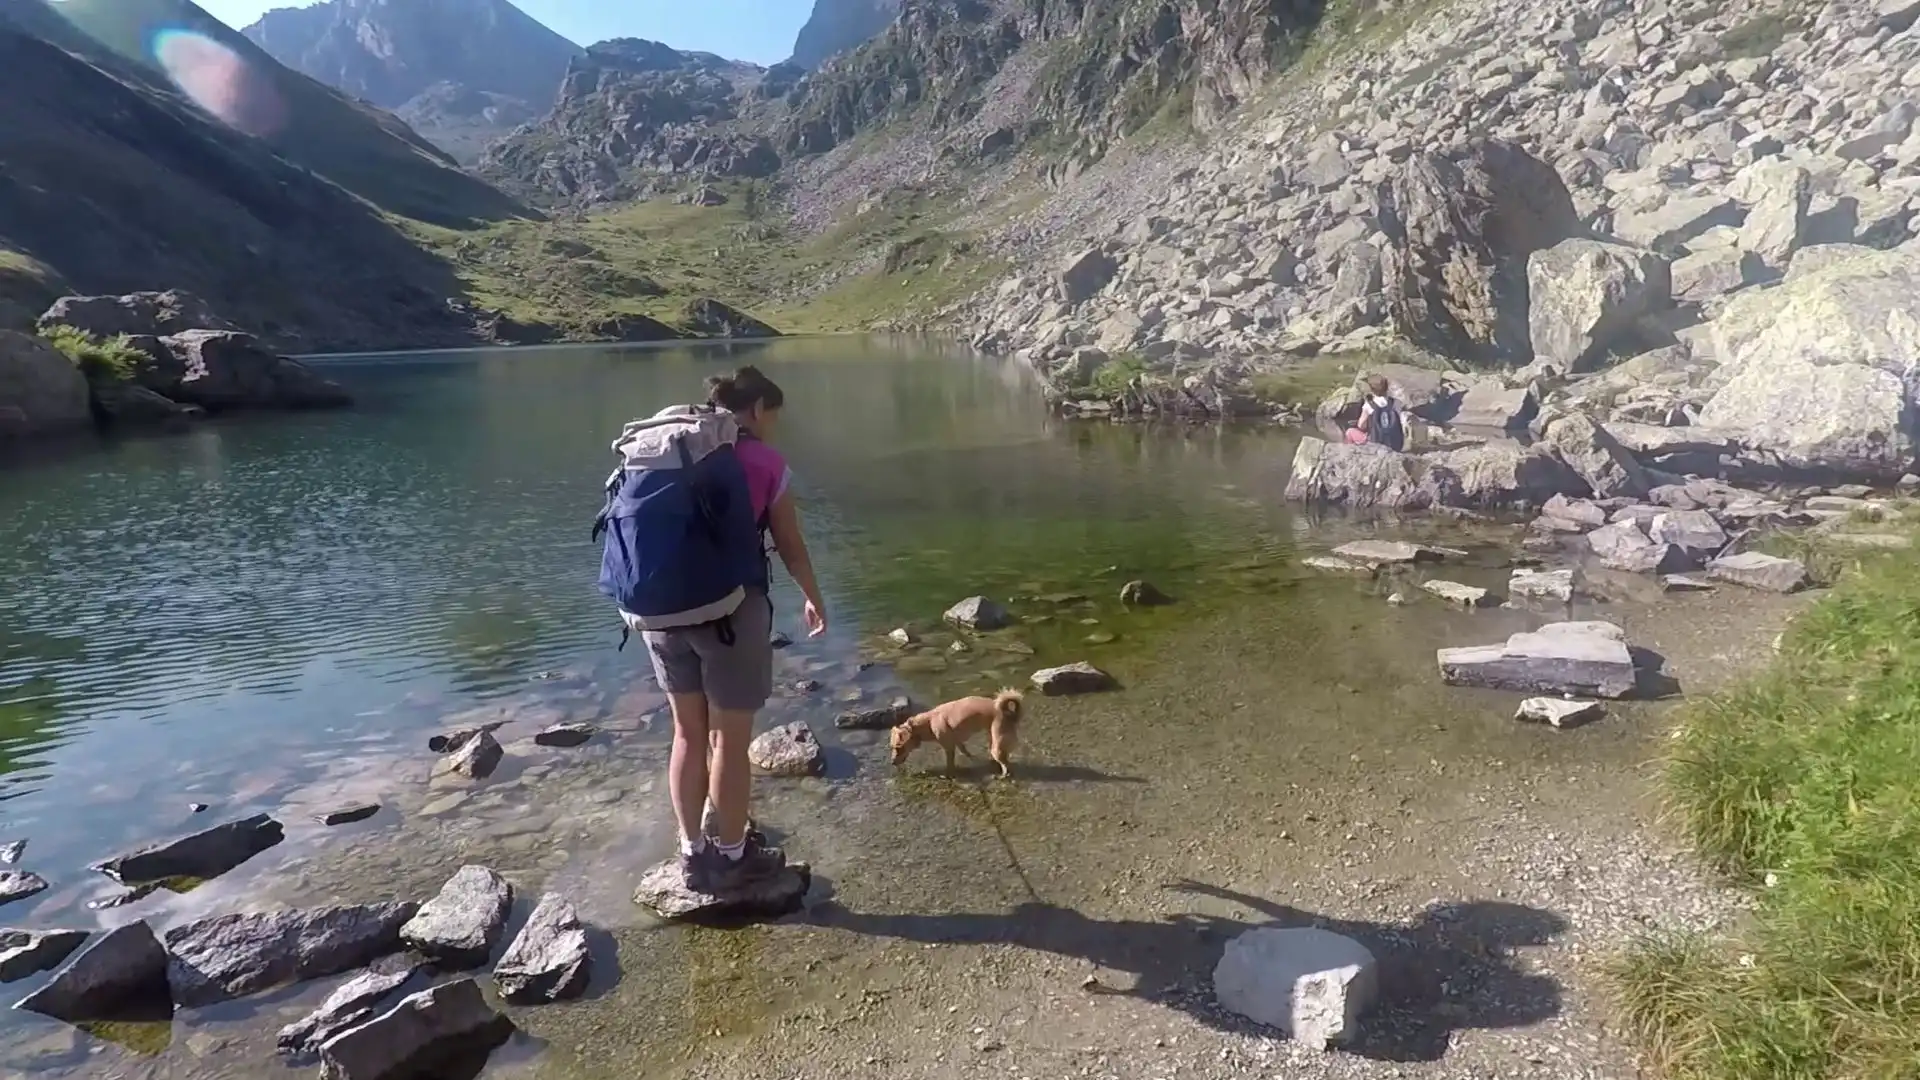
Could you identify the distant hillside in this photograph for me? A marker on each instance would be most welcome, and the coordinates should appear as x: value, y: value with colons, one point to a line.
x: 461, y: 72
x: 839, y: 25
x: 114, y: 182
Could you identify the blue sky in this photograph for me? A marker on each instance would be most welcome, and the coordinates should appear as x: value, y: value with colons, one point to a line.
x: 760, y: 31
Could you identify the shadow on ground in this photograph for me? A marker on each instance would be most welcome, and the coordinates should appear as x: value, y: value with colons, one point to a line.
x: 1448, y: 970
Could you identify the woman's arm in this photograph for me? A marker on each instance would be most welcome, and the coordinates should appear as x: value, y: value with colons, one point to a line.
x: 783, y: 522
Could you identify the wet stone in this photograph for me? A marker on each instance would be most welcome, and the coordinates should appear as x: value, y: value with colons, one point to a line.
x: 548, y: 960
x: 1560, y: 712
x: 664, y: 889
x: 902, y: 636
x: 20, y: 884
x: 1466, y: 596
x: 444, y: 804
x: 1312, y: 984
x: 788, y: 750
x: 1388, y: 552
x: 979, y: 613
x: 476, y: 758
x: 205, y: 854
x: 1548, y: 585
x: 1337, y: 565
x: 448, y: 742
x: 10, y: 852
x: 1680, y: 583
x: 1076, y: 678
x: 350, y: 1003
x: 564, y: 736
x: 874, y: 719
x: 229, y: 956
x: 122, y: 967
x: 1625, y: 546
x: 29, y: 952
x: 459, y: 927
x: 1143, y: 594
x: 347, y: 815
x: 445, y: 1031
x: 1588, y: 658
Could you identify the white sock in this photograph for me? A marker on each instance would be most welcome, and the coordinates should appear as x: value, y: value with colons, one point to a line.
x: 733, y: 852
x: 695, y: 846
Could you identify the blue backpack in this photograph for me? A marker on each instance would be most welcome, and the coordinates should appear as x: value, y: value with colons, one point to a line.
x: 681, y: 543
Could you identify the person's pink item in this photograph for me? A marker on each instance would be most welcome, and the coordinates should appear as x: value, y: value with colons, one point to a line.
x: 1356, y: 436
x: 767, y: 474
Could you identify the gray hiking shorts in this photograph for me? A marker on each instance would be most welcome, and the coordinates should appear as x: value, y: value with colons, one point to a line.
x: 694, y: 660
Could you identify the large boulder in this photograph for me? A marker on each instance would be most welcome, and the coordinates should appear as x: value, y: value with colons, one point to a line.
x: 41, y: 386
x: 141, y: 313
x: 1599, y: 459
x: 225, y: 369
x: 1312, y: 984
x: 1585, y: 297
x: 1488, y: 476
x: 1502, y: 474
x: 711, y: 318
x: 1361, y: 477
x: 229, y: 956
x: 1460, y: 235
x: 1581, y: 658
x: 1821, y: 371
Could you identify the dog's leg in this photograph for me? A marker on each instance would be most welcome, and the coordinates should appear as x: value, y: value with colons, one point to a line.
x: 969, y: 753
x: 948, y: 747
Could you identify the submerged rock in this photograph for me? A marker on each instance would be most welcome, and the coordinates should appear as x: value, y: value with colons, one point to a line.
x: 878, y: 719
x: 229, y: 956
x: 1768, y: 573
x: 1467, y: 596
x: 548, y: 960
x: 1566, y: 657
x: 979, y: 613
x: 349, y: 1004
x: 1560, y: 712
x: 449, y: 741
x: 788, y: 750
x: 1337, y: 565
x: 475, y: 758
x: 666, y: 891
x: 1076, y: 678
x: 1551, y: 585
x: 564, y: 736
x: 1143, y: 594
x: 20, y: 884
x: 1377, y: 553
x: 347, y: 815
x: 425, y: 1035
x: 1312, y: 984
x: 123, y: 966
x: 205, y: 854
x: 459, y: 927
x: 29, y: 952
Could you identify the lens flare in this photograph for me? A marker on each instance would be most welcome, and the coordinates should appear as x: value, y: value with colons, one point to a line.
x: 221, y: 81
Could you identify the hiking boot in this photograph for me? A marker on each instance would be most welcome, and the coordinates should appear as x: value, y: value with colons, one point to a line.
x: 718, y: 875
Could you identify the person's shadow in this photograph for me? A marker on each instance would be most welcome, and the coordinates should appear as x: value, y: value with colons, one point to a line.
x: 1447, y: 970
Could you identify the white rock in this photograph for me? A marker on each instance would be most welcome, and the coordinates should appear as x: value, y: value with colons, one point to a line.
x: 1310, y: 983
x: 1560, y: 712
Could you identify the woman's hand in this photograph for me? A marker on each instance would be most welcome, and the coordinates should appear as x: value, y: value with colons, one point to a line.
x: 816, y: 620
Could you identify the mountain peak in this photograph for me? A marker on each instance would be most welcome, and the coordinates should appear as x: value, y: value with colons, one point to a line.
x: 838, y: 25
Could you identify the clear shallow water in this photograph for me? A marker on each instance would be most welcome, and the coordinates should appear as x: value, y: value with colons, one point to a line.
x: 272, y: 614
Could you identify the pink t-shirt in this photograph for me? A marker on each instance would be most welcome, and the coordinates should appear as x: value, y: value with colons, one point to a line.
x: 767, y: 475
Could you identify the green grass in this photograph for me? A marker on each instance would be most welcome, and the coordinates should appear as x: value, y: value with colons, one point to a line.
x: 1307, y: 383
x: 1801, y: 784
x: 27, y: 288
x: 113, y: 359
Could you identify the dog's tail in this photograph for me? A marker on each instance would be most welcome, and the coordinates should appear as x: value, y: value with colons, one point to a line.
x: 1010, y: 703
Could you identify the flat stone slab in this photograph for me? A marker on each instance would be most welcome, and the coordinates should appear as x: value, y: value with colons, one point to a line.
x: 229, y: 956
x: 422, y: 1036
x: 30, y: 952
x: 1338, y: 565
x: 548, y: 960
x: 1312, y: 984
x: 1560, y: 712
x: 1580, y: 658
x: 122, y: 966
x: 664, y: 889
x: 1466, y: 596
x: 350, y: 1003
x: 1378, y: 553
x: 1076, y: 678
x: 459, y: 927
x: 1555, y: 586
x: 205, y: 854
x: 1685, y: 583
x: 1753, y: 570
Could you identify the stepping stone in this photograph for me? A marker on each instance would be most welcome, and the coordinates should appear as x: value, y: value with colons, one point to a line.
x: 459, y: 927
x: 1753, y: 570
x: 1077, y: 678
x: 1337, y: 565
x: 350, y: 1003
x: 347, y: 815
x: 1560, y: 712
x: 788, y: 750
x: 1550, y: 585
x: 123, y: 966
x: 564, y: 736
x: 424, y: 1035
x: 664, y: 889
x: 1312, y: 984
x: 1377, y: 553
x: 448, y: 742
x: 230, y: 956
x: 475, y: 759
x: 1453, y: 592
x: 548, y: 961
x: 30, y: 952
x: 205, y: 854
x: 874, y: 719
x: 1584, y: 658
x: 979, y: 613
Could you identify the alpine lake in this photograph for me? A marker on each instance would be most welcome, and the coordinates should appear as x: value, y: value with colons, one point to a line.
x: 273, y: 614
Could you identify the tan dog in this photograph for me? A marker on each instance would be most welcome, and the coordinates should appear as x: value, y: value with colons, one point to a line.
x: 953, y: 723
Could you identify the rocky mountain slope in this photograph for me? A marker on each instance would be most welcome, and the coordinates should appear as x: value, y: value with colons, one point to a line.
x: 114, y: 182
x: 1694, y: 222
x: 461, y: 72
x: 839, y: 25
